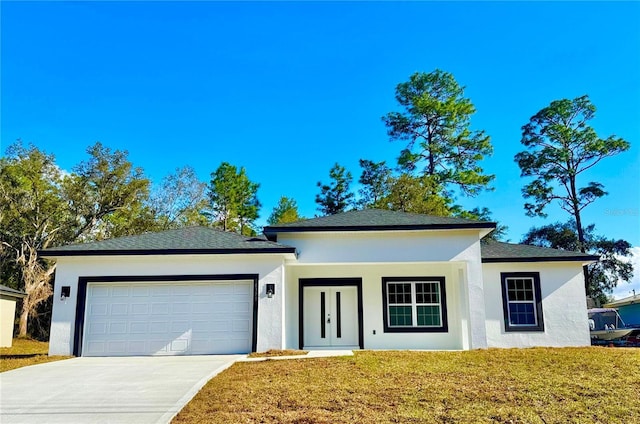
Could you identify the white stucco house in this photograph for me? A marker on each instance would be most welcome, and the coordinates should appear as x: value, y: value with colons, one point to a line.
x: 367, y: 279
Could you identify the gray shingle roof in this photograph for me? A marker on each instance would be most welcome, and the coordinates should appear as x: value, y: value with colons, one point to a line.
x: 8, y: 291
x: 190, y: 240
x: 376, y: 219
x: 495, y: 251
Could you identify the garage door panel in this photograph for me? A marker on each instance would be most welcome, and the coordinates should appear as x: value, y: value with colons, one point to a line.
x: 140, y: 291
x: 119, y: 309
x: 98, y: 291
x: 168, y: 318
x: 118, y: 328
x: 159, y: 327
x: 180, y: 308
x: 98, y: 310
x: 97, y: 328
x: 159, y: 308
x: 120, y: 291
x: 138, y: 327
x: 139, y: 308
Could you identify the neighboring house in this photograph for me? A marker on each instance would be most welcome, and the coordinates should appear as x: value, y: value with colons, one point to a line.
x: 8, y: 299
x: 368, y: 279
x: 629, y: 309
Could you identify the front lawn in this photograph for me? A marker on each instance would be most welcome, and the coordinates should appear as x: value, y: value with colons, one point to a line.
x: 577, y: 385
x: 25, y: 352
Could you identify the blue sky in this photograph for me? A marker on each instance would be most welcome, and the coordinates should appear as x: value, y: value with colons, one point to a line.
x: 287, y: 89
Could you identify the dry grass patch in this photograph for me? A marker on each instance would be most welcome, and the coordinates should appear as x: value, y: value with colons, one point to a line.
x: 575, y: 385
x: 25, y: 352
x: 277, y: 352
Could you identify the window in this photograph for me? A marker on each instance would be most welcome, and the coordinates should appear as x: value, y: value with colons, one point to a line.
x: 414, y: 304
x: 521, y: 301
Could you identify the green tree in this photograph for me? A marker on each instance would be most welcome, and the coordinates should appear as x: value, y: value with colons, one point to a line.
x: 561, y: 146
x: 31, y: 218
x: 408, y: 193
x: 603, y: 275
x: 336, y: 196
x: 99, y: 187
x: 44, y: 207
x: 180, y: 200
x: 233, y: 199
x: 284, y: 212
x: 375, y: 180
x: 435, y: 123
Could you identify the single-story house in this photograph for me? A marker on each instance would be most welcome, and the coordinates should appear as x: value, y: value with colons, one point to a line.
x: 629, y: 309
x: 368, y: 279
x: 8, y: 299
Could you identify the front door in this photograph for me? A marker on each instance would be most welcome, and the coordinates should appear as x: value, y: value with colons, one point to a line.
x: 330, y: 317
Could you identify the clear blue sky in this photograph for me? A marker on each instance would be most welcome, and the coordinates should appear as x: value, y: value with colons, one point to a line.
x: 287, y: 89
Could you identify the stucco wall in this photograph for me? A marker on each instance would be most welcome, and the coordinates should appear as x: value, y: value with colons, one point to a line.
x: 563, y: 304
x: 371, y: 275
x: 454, y: 254
x: 379, y: 246
x: 270, y: 269
x: 7, y: 318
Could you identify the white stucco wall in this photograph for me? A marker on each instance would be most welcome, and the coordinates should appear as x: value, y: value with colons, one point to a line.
x: 7, y: 318
x: 371, y: 275
x: 563, y: 304
x: 371, y: 255
x: 381, y: 246
x: 270, y: 269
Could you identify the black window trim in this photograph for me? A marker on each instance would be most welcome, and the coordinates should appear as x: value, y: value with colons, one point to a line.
x: 539, y: 327
x: 443, y: 304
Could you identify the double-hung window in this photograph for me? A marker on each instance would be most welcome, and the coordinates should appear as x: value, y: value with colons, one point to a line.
x: 521, y: 301
x: 416, y: 304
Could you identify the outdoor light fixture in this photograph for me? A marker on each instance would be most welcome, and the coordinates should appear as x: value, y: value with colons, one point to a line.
x: 271, y: 290
x: 65, y: 293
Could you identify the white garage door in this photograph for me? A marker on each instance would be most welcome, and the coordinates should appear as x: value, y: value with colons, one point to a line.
x: 178, y: 318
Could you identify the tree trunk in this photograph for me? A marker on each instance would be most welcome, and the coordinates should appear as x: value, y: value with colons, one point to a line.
x: 582, y: 247
x: 24, y: 317
x: 432, y: 165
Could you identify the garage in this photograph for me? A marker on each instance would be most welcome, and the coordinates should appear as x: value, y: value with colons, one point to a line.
x: 168, y: 318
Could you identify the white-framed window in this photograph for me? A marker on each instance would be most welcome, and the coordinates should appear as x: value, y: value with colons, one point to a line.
x: 414, y: 304
x: 521, y: 301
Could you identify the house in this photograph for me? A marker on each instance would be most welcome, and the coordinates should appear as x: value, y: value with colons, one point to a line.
x: 629, y: 309
x: 368, y: 279
x: 8, y: 299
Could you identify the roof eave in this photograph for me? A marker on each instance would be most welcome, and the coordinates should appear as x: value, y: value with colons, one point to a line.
x: 273, y: 231
x: 12, y: 294
x: 149, y: 252
x: 587, y: 259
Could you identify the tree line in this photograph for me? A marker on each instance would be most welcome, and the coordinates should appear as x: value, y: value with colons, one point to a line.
x: 105, y: 196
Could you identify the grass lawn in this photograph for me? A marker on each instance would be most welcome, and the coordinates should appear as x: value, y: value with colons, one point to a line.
x: 569, y: 385
x: 25, y: 352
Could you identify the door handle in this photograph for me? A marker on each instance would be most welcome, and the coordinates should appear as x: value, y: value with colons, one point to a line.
x: 328, y: 320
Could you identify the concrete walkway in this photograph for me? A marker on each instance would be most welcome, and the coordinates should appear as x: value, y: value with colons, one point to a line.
x: 308, y: 355
x: 106, y: 390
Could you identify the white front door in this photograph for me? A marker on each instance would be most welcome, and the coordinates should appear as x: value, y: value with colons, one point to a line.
x: 330, y: 317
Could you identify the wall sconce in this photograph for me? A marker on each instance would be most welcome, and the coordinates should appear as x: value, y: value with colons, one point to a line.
x: 271, y: 290
x: 65, y: 293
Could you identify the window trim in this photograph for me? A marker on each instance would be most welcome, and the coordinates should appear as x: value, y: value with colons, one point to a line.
x: 444, y: 328
x: 535, y: 276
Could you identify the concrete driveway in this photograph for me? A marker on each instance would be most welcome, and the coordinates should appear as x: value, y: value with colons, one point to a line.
x: 106, y: 390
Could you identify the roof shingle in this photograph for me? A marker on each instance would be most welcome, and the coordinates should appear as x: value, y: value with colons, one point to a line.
x: 496, y: 251
x: 190, y: 240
